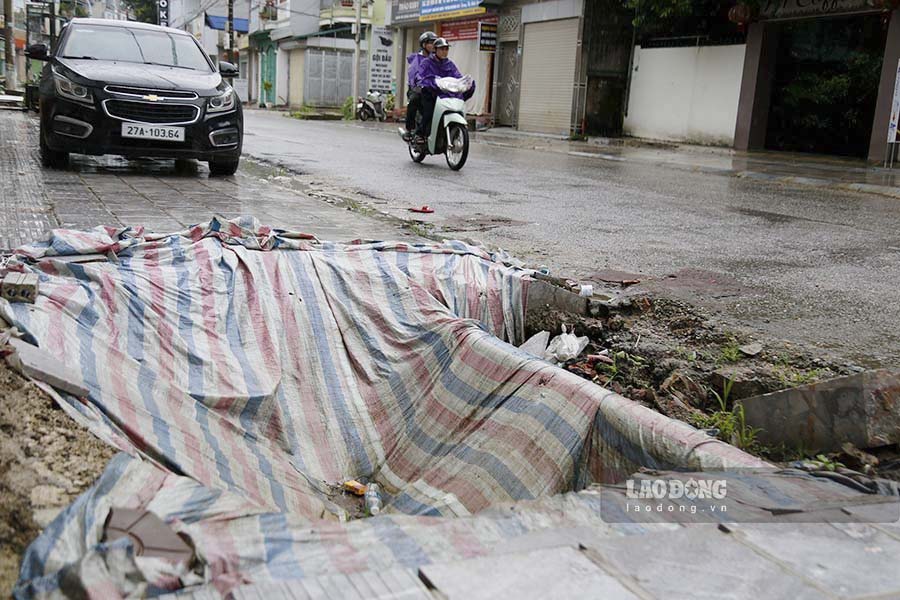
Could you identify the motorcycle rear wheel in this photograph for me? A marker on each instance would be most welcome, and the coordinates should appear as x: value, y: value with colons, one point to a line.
x: 417, y: 154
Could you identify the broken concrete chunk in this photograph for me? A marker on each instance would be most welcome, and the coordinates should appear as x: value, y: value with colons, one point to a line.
x: 862, y: 409
x: 20, y: 287
x: 751, y: 349
x: 35, y: 363
x: 542, y: 295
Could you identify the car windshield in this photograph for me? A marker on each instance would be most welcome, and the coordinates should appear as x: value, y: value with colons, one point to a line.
x: 134, y: 45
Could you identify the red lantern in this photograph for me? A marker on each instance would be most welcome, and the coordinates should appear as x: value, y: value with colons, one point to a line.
x: 742, y: 14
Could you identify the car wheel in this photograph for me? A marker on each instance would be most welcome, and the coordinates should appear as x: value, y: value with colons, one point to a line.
x: 225, y: 166
x: 52, y: 158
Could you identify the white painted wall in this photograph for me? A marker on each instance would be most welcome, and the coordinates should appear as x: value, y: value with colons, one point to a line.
x: 686, y: 94
x: 282, y: 76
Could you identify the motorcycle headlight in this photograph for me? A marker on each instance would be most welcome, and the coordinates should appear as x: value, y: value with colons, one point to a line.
x: 73, y: 91
x: 222, y: 102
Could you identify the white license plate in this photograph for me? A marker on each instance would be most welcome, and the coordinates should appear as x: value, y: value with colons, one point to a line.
x: 152, y: 132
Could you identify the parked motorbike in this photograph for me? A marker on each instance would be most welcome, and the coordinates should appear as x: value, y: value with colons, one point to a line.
x: 371, y: 107
x: 449, y: 131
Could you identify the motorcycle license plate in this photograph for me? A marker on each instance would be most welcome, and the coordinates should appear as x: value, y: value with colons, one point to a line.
x: 152, y: 132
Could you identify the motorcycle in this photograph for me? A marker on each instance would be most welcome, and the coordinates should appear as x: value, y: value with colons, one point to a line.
x: 371, y: 107
x: 449, y: 130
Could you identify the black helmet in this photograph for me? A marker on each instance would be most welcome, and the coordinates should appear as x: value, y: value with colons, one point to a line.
x: 428, y: 36
x: 441, y: 43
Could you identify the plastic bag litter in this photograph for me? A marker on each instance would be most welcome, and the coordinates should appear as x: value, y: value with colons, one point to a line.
x: 536, y: 345
x: 565, y: 346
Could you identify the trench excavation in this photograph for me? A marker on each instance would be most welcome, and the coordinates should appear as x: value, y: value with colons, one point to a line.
x: 278, y: 368
x: 247, y: 374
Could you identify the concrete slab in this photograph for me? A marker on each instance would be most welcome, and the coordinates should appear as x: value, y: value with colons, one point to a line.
x: 548, y: 573
x: 862, y: 409
x: 852, y: 560
x: 699, y: 563
x: 33, y: 362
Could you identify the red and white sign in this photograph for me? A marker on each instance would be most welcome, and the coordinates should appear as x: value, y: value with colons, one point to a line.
x: 467, y: 29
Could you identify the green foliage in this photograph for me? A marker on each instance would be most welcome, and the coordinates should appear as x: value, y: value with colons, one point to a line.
x: 347, y: 108
x: 732, y: 424
x: 304, y: 112
x: 790, y: 376
x: 389, y: 102
x: 144, y: 10
x: 622, y: 361
x: 666, y: 18
x: 69, y: 9
x: 829, y: 464
x: 730, y: 352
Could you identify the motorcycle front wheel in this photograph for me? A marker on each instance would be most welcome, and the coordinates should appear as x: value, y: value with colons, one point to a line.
x: 416, y: 153
x: 363, y: 114
x: 457, y: 146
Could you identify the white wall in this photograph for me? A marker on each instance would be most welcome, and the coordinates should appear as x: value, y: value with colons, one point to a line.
x: 686, y: 94
x: 282, y: 76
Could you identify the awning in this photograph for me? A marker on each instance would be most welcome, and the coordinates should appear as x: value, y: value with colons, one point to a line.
x: 240, y: 25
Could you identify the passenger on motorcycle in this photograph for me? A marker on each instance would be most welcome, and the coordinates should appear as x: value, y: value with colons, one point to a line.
x: 413, y: 91
x: 430, y: 69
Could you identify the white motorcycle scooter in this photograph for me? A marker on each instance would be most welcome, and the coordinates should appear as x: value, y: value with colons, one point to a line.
x: 449, y: 130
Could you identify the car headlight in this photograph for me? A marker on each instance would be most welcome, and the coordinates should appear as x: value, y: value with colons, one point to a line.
x: 71, y: 90
x: 222, y: 102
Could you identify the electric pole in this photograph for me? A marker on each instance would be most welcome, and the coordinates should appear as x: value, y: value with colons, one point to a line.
x: 231, y: 52
x: 356, y: 57
x: 9, y: 44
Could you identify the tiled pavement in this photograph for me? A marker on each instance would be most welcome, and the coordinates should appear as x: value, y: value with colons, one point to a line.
x: 112, y: 191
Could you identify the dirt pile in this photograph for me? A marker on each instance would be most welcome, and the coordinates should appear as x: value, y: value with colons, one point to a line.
x: 46, y: 461
x: 678, y: 360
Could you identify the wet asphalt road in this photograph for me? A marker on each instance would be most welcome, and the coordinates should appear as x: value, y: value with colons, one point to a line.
x: 809, y: 266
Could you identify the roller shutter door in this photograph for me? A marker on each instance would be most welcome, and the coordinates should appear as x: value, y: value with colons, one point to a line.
x: 548, y: 76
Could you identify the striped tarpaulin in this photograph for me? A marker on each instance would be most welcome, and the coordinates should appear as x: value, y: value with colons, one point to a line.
x: 275, y: 366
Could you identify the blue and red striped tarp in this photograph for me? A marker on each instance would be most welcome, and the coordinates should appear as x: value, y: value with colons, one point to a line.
x: 273, y: 366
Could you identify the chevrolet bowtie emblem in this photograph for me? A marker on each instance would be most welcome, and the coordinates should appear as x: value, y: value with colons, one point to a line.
x: 152, y: 98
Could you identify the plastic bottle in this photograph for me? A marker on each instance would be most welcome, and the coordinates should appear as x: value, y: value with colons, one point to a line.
x: 373, y: 499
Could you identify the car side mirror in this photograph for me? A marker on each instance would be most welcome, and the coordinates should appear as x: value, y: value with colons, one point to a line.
x: 37, y: 52
x: 227, y: 69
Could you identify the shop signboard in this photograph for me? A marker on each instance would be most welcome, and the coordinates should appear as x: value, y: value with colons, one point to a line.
x: 787, y: 9
x: 163, y: 12
x: 433, y: 10
x: 380, y: 59
x: 487, y: 37
x: 404, y: 11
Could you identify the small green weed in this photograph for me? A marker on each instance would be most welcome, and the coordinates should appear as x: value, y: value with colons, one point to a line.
x: 304, y: 112
x: 790, y: 376
x: 347, y: 108
x: 730, y: 352
x: 732, y: 424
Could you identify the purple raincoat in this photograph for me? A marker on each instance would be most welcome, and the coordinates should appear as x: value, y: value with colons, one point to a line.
x: 432, y: 68
x: 414, y: 61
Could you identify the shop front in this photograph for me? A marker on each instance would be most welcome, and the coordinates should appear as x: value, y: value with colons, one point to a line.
x: 471, y: 31
x: 819, y: 77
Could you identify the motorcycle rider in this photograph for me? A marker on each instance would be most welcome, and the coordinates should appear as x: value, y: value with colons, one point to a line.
x: 436, y: 66
x: 413, y: 91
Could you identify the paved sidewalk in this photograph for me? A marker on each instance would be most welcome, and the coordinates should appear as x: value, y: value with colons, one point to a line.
x: 114, y: 191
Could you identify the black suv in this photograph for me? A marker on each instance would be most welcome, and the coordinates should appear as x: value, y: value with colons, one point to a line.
x: 137, y: 90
